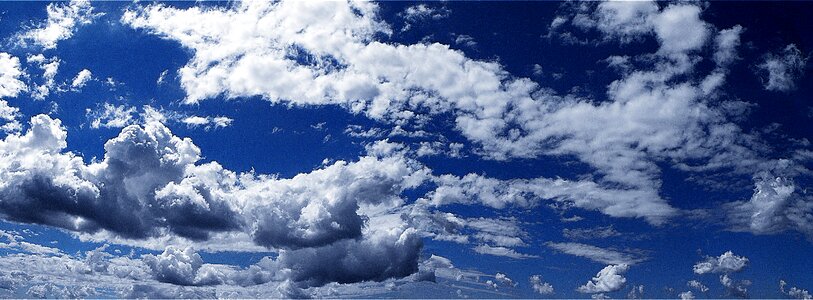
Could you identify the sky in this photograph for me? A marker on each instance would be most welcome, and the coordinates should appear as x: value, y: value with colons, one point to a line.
x: 332, y: 149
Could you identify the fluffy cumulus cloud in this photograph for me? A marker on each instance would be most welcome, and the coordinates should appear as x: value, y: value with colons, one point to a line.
x: 150, y: 185
x: 111, y: 116
x: 181, y: 266
x: 539, y: 286
x: 10, y: 73
x: 794, y: 292
x: 697, y: 285
x: 735, y: 288
x: 687, y: 295
x: 609, y: 279
x: 780, y: 71
x: 725, y: 263
x: 62, y: 22
x: 775, y: 206
x: 81, y: 79
x: 329, y: 55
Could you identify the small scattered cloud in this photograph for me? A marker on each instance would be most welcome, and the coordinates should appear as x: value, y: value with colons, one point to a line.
x: 780, y: 71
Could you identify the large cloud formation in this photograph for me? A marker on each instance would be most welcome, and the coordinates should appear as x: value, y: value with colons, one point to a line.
x: 148, y: 185
x: 660, y: 112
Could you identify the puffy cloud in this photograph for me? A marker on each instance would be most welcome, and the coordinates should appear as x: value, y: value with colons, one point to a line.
x: 609, y: 279
x: 679, y: 29
x: 419, y: 13
x: 81, y: 79
x: 63, y: 21
x: 651, y: 117
x: 207, y: 122
x: 687, y: 295
x: 780, y: 71
x: 148, y: 185
x: 179, y: 266
x: 540, y: 286
x: 735, y: 288
x: 601, y: 255
x: 697, y: 285
x: 49, y: 67
x: 504, y: 280
x: 725, y: 263
x: 10, y: 74
x: 111, y: 116
x: 774, y: 207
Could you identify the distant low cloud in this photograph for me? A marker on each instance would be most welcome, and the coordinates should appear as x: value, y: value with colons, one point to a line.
x: 725, y: 263
x: 609, y: 279
x: 597, y: 254
x: 539, y: 286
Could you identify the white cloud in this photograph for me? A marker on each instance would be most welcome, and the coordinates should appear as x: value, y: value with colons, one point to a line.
x: 794, y: 292
x: 780, y: 71
x: 81, y: 79
x: 63, y: 21
x: 735, y: 288
x: 697, y: 285
x: 609, y: 279
x: 10, y: 74
x: 501, y: 251
x: 725, y: 263
x: 679, y: 29
x: 725, y: 44
x: 600, y: 255
x: 476, y: 189
x: 111, y: 116
x: 774, y: 207
x: 504, y: 280
x: 687, y: 295
x: 540, y: 286
x: 420, y: 13
x: 149, y: 185
x: 49, y: 67
x: 651, y: 116
x: 207, y: 122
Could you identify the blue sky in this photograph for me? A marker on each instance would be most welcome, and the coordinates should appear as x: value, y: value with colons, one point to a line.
x: 405, y: 149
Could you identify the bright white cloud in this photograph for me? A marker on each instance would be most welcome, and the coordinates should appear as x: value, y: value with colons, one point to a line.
x: 207, y: 122
x: 725, y: 263
x: 10, y: 74
x: 652, y: 115
x: 63, y: 21
x: 609, y: 279
x: 111, y: 116
x: 540, y: 286
x: 81, y: 79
